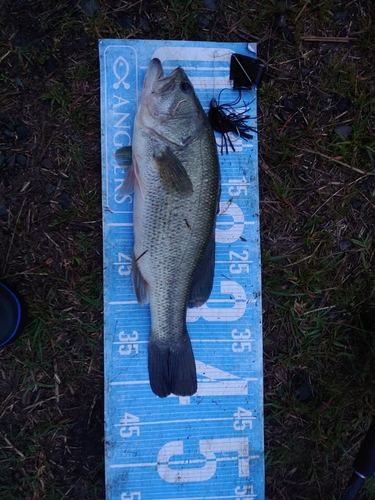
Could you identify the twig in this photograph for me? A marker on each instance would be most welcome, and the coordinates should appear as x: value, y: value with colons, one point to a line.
x: 330, y: 158
x: 12, y: 446
x: 268, y: 170
x: 40, y: 403
x: 91, y: 410
x: 28, y: 271
x: 49, y: 237
x: 5, y: 55
x: 335, y: 39
x: 57, y: 382
x: 337, y: 192
x: 46, y: 147
x: 317, y: 310
x: 304, y: 258
x: 300, y: 12
x: 12, y: 238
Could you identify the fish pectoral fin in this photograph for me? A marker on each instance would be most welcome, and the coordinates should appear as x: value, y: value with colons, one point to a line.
x: 172, y: 172
x: 127, y: 186
x: 203, y: 278
x: 171, y: 367
x: 132, y: 179
x: 123, y: 156
x: 139, y: 284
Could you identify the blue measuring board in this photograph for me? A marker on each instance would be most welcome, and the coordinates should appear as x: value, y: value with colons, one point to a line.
x: 210, y: 445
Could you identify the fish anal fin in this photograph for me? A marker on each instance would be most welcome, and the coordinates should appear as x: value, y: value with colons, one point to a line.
x: 171, y: 368
x: 139, y: 284
x: 203, y: 278
x: 172, y: 173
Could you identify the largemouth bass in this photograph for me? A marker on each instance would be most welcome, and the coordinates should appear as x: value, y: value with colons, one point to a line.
x: 175, y: 177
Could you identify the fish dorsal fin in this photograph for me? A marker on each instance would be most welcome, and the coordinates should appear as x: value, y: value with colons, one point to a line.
x: 173, y: 175
x: 203, y: 278
x: 139, y: 283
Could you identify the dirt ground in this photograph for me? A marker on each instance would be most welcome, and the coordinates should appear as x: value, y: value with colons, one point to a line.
x: 51, y: 392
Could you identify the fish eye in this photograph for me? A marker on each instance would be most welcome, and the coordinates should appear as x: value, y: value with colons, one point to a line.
x: 185, y: 86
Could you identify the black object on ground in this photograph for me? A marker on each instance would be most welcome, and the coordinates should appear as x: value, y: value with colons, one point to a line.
x: 11, y: 315
x: 364, y: 464
x: 245, y: 71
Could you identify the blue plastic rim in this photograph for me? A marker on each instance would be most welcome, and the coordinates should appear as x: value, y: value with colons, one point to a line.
x: 13, y: 315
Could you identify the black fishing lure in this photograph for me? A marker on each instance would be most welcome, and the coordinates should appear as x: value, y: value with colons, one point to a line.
x: 225, y: 119
x: 245, y: 72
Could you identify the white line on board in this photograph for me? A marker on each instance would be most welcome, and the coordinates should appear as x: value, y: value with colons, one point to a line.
x: 212, y: 301
x: 218, y: 223
x: 122, y: 302
x: 237, y: 223
x: 120, y: 224
x: 124, y: 262
x: 181, y: 462
x: 227, y: 262
x: 218, y: 419
x: 237, y: 183
x: 117, y: 342
x: 249, y: 496
x: 143, y: 382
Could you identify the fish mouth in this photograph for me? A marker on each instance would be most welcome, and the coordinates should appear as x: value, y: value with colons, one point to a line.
x: 154, y: 73
x: 156, y: 82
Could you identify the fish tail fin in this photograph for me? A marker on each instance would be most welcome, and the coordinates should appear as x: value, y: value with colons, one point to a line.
x: 182, y: 370
x: 171, y: 368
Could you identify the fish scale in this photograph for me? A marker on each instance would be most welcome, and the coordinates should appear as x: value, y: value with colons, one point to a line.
x: 209, y: 445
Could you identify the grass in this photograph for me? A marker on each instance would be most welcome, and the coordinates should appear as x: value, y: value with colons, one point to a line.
x: 318, y: 267
x: 317, y: 234
x: 45, y: 367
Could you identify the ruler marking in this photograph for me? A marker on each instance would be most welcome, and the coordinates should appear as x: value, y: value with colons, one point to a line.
x: 122, y: 466
x: 122, y: 302
x: 142, y: 382
x: 216, y: 497
x: 178, y: 462
x: 216, y: 262
x: 237, y: 183
x: 218, y: 223
x: 231, y: 223
x: 130, y: 342
x: 182, y: 421
x: 131, y: 382
x: 211, y: 301
x: 119, y: 224
x: 216, y: 340
x: 192, y: 68
x: 230, y: 262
